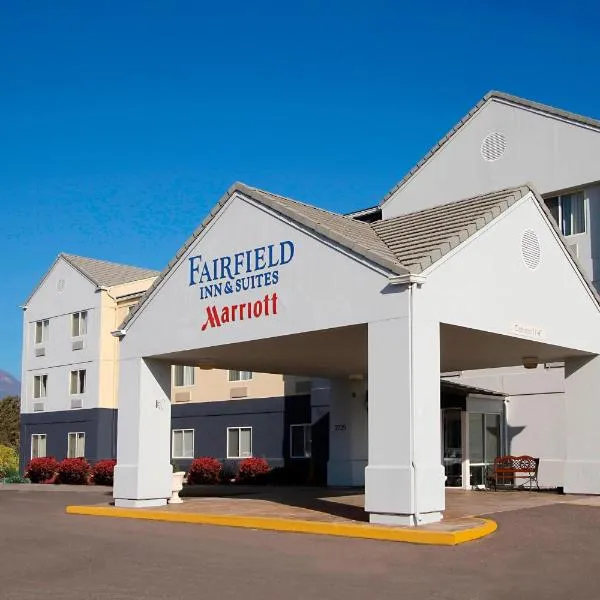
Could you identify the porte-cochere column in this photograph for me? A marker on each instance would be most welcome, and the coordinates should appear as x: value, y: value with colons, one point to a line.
x: 404, y: 480
x: 143, y: 471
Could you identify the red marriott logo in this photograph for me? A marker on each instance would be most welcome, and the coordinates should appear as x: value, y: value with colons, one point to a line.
x: 215, y: 317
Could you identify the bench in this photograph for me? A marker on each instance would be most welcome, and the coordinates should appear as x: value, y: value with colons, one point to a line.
x: 509, y: 468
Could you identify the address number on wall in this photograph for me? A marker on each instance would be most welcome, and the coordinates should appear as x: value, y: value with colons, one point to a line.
x: 340, y: 427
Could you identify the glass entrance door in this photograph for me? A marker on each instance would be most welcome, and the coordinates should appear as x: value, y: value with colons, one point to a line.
x: 484, y: 444
x: 452, y: 446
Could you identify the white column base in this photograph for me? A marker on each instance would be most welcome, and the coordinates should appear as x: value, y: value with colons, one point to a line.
x: 124, y: 503
x: 405, y: 520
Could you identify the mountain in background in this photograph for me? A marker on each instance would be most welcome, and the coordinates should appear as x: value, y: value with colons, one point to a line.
x: 9, y: 386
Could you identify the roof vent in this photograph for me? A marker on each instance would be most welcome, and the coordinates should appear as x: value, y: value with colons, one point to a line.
x: 493, y: 146
x: 531, y: 251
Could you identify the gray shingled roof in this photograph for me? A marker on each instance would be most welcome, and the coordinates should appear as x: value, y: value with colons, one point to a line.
x: 490, y: 96
x: 107, y: 274
x: 100, y: 272
x: 421, y: 238
x: 403, y: 245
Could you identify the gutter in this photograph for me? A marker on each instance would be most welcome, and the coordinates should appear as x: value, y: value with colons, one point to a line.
x: 407, y: 278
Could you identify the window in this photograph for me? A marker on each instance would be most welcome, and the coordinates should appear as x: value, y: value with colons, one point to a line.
x: 40, y: 386
x: 76, y: 445
x: 184, y: 375
x: 239, y: 442
x: 79, y: 323
x: 77, y: 382
x: 42, y: 329
x: 183, y: 443
x: 568, y: 211
x: 300, y: 441
x: 38, y: 445
x: 240, y: 375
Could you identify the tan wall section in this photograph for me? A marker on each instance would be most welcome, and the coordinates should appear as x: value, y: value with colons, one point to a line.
x: 214, y: 385
x: 210, y: 386
x: 112, y: 312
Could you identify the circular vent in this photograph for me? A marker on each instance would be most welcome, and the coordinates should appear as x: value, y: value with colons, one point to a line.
x: 493, y: 146
x: 530, y: 249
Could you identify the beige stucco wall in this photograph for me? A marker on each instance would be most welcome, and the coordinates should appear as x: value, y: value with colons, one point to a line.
x: 210, y: 386
x: 214, y: 385
x: 112, y: 312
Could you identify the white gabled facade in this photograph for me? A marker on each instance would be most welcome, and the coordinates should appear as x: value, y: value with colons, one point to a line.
x: 63, y: 292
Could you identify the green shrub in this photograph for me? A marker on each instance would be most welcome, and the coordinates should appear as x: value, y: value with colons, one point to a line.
x: 9, y: 460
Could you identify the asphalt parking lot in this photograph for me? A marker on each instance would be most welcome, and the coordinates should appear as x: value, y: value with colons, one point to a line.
x: 546, y: 552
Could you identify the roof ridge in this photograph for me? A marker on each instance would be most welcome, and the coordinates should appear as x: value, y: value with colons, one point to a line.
x: 300, y: 202
x: 522, y: 189
x: 547, y: 108
x: 69, y: 256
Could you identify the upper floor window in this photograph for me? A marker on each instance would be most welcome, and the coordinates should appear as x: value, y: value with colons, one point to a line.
x: 40, y: 385
x: 42, y: 329
x: 569, y: 212
x: 79, y: 323
x: 77, y: 385
x: 183, y: 376
x: 240, y: 375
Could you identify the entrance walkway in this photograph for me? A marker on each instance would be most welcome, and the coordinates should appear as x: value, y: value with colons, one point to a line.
x: 342, y: 506
x: 333, y: 512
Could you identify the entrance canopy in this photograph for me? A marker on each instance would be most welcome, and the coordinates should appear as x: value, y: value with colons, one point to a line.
x: 273, y: 285
x: 270, y: 284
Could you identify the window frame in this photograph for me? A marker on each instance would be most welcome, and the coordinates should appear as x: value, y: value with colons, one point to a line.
x: 45, y: 330
x: 183, y: 383
x: 42, y: 377
x: 183, y: 432
x: 77, y: 439
x: 85, y: 319
x: 239, y: 429
x: 559, y: 204
x: 230, y: 371
x: 78, y: 371
x: 38, y: 436
x: 304, y: 426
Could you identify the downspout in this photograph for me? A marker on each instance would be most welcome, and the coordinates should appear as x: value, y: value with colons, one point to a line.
x: 412, y: 401
x: 412, y: 279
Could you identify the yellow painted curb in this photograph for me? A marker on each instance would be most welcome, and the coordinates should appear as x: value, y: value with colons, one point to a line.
x: 371, y: 532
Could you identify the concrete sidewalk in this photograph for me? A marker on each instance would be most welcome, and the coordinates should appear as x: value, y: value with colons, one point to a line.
x: 295, y: 509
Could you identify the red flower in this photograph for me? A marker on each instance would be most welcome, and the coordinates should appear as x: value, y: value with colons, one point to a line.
x: 205, y: 470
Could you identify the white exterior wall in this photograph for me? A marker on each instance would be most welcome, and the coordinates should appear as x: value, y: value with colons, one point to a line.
x: 537, y: 401
x: 317, y: 272
x: 535, y: 413
x: 551, y: 153
x: 348, y: 433
x: 493, y: 256
x: 60, y: 359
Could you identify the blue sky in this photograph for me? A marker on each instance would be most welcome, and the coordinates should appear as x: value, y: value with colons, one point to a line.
x: 122, y: 123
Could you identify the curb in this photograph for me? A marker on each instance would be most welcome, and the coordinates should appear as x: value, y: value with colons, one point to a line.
x: 370, y: 532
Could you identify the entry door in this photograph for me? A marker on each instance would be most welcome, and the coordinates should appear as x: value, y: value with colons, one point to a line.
x: 452, y: 446
x: 485, y: 444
